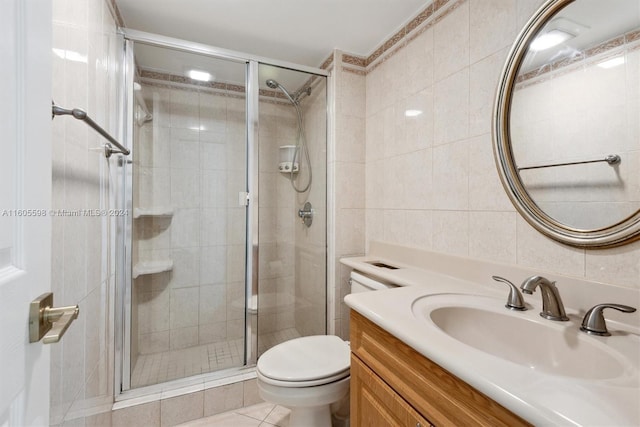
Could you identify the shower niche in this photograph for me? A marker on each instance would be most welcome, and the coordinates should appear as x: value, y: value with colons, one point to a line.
x: 204, y: 298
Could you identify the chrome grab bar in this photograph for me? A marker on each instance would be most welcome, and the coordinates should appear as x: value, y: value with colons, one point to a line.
x: 82, y: 115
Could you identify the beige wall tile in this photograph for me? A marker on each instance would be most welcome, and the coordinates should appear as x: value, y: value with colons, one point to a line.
x: 147, y: 414
x: 177, y: 410
x: 525, y: 10
x: 451, y: 43
x: 451, y: 108
x: 469, y: 212
x: 82, y: 247
x: 224, y: 398
x: 183, y: 338
x: 250, y: 393
x: 492, y: 25
x: 492, y: 236
x: 483, y: 81
x: 485, y: 189
x: 352, y: 97
x: 349, y: 184
x: 451, y: 176
x: 538, y: 251
x: 184, y: 307
x: 350, y: 144
x: 620, y: 266
x: 451, y: 232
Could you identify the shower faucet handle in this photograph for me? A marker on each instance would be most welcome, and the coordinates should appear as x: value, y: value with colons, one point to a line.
x: 306, y: 214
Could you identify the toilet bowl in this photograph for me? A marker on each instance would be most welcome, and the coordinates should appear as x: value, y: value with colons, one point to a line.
x: 310, y: 374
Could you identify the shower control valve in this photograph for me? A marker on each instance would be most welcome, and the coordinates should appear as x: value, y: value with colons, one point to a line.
x: 306, y: 214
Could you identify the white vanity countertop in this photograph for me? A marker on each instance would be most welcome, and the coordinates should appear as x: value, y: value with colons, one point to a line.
x: 542, y: 399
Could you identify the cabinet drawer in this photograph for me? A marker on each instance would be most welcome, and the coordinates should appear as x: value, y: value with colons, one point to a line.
x: 435, y: 393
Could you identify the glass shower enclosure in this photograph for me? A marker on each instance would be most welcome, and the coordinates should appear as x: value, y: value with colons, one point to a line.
x: 223, y: 254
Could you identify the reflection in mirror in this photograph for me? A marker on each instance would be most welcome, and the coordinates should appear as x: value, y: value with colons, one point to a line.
x: 576, y: 99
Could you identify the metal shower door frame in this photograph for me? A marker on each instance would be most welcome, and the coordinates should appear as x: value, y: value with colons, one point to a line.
x: 123, y: 264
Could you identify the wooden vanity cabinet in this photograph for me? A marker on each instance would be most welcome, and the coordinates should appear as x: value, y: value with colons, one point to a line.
x: 393, y: 385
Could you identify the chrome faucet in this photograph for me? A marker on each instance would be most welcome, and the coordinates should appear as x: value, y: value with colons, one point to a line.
x: 552, y: 307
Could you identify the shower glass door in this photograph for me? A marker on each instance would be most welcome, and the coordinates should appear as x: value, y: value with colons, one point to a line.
x: 188, y: 232
x: 292, y: 285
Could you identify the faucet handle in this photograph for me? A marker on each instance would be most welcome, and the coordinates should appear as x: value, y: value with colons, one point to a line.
x: 514, y: 300
x: 594, y: 323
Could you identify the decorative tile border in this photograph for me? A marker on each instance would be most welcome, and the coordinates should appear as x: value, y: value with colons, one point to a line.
x: 427, y: 17
x: 438, y: 10
x: 627, y: 41
x: 358, y: 61
x: 115, y: 12
x: 354, y: 64
x: 172, y: 81
x: 327, y: 62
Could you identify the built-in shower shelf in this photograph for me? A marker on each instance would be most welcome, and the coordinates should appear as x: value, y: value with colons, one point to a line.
x: 152, y: 267
x: 152, y: 212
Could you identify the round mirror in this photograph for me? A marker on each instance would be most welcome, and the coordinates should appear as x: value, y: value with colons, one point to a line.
x: 567, y: 122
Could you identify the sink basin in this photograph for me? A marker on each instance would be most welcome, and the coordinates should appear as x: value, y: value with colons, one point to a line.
x: 524, y: 338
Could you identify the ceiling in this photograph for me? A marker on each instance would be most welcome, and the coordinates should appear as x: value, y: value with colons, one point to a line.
x: 299, y: 31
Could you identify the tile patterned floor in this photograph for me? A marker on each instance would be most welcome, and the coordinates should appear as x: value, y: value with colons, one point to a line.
x: 174, y: 364
x: 170, y: 365
x: 260, y: 415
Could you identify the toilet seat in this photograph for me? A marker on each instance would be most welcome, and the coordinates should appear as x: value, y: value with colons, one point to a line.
x: 305, y: 362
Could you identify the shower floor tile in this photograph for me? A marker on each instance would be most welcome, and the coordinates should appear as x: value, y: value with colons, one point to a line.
x: 170, y: 365
x: 175, y: 364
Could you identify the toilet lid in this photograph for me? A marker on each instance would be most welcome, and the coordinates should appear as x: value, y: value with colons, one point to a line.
x: 306, y: 359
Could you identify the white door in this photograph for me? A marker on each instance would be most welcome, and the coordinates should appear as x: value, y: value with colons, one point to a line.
x: 25, y: 197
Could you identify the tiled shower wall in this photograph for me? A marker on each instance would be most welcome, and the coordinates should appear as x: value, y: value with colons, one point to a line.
x: 276, y: 258
x: 292, y: 257
x: 86, y: 53
x: 311, y: 242
x: 190, y: 159
x: 439, y: 189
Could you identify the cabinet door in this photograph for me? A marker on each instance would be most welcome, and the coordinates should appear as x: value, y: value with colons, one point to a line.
x: 374, y: 403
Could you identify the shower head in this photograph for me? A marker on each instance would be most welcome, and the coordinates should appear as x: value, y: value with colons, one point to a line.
x: 275, y: 85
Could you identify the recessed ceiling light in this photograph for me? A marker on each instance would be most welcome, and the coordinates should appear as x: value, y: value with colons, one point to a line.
x: 549, y: 39
x: 613, y: 62
x: 201, y: 76
x: 412, y: 113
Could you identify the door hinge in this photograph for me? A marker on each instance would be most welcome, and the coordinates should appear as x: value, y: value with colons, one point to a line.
x: 243, y: 198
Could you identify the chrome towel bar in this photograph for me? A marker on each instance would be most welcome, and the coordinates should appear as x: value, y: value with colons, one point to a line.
x: 82, y: 115
x: 612, y: 159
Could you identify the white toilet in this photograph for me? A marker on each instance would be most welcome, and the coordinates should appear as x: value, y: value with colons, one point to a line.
x: 309, y: 374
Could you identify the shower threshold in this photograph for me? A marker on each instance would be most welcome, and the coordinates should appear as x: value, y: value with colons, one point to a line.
x: 221, y: 353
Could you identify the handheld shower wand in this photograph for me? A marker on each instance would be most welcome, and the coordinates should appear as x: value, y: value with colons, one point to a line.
x: 301, y: 144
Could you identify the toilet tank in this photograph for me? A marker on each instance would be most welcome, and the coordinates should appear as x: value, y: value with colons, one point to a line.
x: 361, y: 283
